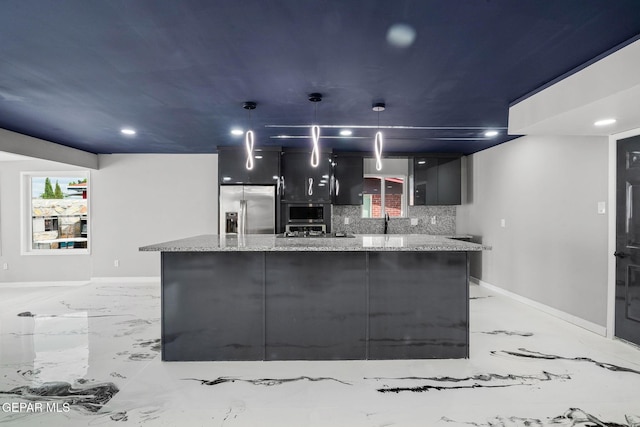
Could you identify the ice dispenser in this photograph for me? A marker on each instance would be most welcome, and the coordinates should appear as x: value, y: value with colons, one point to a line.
x: 231, y: 221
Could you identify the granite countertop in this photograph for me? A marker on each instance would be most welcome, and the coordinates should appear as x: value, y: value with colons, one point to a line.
x: 361, y: 242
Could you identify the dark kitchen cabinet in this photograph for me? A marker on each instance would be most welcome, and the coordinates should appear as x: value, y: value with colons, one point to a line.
x: 232, y: 167
x: 418, y: 305
x: 437, y: 180
x: 316, y: 306
x: 201, y: 292
x: 348, y: 171
x: 303, y: 183
x: 266, y: 167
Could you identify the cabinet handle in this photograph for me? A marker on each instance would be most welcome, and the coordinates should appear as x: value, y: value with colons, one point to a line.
x: 310, y: 189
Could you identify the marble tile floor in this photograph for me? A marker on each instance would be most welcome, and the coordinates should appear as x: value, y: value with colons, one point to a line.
x: 89, y: 356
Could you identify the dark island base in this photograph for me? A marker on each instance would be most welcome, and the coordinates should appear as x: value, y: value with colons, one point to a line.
x: 314, y: 305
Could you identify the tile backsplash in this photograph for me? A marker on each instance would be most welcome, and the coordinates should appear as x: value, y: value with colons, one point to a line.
x: 445, y: 221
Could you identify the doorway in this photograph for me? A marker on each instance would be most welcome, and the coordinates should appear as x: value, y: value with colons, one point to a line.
x: 627, y: 287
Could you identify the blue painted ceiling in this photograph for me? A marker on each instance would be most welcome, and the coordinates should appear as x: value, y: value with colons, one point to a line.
x: 75, y: 72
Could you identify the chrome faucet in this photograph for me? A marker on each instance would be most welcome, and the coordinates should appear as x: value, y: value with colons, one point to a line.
x: 386, y: 223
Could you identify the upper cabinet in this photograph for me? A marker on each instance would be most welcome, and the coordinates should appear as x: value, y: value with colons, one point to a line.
x: 232, y: 167
x: 339, y: 178
x: 437, y: 180
x: 348, y: 173
x: 300, y: 182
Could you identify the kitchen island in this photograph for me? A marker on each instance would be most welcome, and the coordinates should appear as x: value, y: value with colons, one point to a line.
x: 264, y: 297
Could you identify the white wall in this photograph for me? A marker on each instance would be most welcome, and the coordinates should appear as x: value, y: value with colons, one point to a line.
x: 553, y: 249
x: 136, y: 200
x: 140, y: 199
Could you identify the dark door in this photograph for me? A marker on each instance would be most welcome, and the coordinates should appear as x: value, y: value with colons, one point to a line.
x: 628, y: 240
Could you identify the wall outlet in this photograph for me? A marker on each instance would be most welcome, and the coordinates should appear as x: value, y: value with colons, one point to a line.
x: 503, y: 223
x: 116, y: 263
x: 414, y: 221
x: 5, y: 266
x: 433, y: 220
x: 602, y: 209
x: 346, y: 220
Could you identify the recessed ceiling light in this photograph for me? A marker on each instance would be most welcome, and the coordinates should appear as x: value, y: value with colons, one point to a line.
x: 422, y: 162
x: 237, y: 132
x: 257, y: 157
x: 127, y: 131
x: 605, y: 122
x: 491, y: 133
x: 346, y: 132
x: 401, y: 35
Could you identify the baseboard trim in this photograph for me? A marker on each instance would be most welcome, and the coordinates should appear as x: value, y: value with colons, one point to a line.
x: 585, y: 324
x: 61, y: 283
x: 120, y: 279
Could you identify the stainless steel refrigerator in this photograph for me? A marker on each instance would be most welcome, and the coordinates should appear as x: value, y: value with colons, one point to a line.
x: 247, y: 209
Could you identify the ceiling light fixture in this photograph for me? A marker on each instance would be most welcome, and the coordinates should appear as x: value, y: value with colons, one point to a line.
x: 377, y: 144
x: 346, y: 132
x: 128, y: 131
x: 401, y: 35
x: 491, y: 133
x: 248, y: 137
x: 315, y: 131
x: 604, y: 122
x: 237, y: 132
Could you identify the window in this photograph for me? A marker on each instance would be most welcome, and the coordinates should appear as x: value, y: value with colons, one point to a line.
x: 55, y: 213
x: 384, y: 194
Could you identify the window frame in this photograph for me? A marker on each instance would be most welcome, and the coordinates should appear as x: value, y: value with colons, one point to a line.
x: 26, y: 219
x: 405, y: 195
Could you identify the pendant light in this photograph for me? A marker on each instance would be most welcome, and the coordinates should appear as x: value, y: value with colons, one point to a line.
x: 377, y: 143
x: 315, y: 131
x: 248, y: 137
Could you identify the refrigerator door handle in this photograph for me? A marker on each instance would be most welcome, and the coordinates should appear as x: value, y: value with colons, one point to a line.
x: 242, y: 226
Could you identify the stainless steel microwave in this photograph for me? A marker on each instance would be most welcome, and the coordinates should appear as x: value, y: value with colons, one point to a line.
x: 308, y: 213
